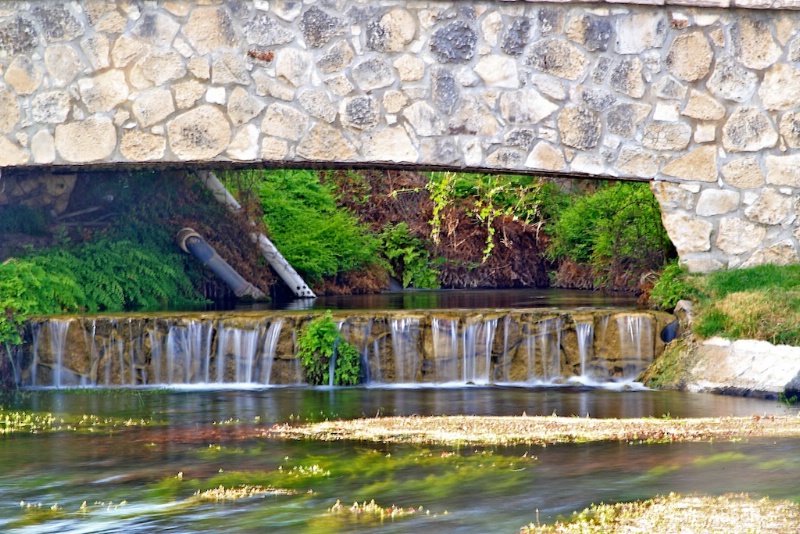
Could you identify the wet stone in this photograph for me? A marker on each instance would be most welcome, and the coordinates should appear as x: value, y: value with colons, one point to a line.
x: 579, y: 127
x: 516, y: 38
x: 57, y: 23
x: 263, y: 30
x: 360, y: 113
x: 319, y: 27
x: 17, y: 36
x: 444, y: 90
x: 731, y: 81
x: 558, y: 58
x: 454, y: 43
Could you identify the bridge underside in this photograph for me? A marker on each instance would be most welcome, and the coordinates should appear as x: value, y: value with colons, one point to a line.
x: 701, y: 101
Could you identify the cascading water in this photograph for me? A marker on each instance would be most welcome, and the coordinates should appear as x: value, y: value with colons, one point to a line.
x: 58, y: 342
x: 477, y: 341
x: 636, y: 344
x: 585, y: 333
x: 268, y: 351
x: 549, y: 333
x: 405, y: 338
x: 444, y: 333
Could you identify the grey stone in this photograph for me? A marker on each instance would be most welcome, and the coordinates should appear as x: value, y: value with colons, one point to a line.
x: 753, y: 44
x: 624, y: 119
x: 667, y: 135
x: 454, y: 43
x: 17, y: 36
x: 57, y: 22
x: 444, y: 90
x: 516, y: 37
x: 373, y: 74
x: 319, y: 27
x: 360, y: 113
x: 443, y: 150
x: 522, y: 137
x: 339, y: 56
x: 748, y: 130
x: 669, y: 88
x: 597, y: 99
x: 551, y: 20
x: 200, y: 133
x: 263, y: 30
x: 790, y: 129
x: 579, y: 127
x: 600, y: 70
x: 626, y: 77
x: 731, y: 81
x: 293, y: 66
x: 558, y: 58
x: 49, y: 108
x: 505, y: 157
x: 737, y: 236
x: 593, y: 33
x: 392, y: 32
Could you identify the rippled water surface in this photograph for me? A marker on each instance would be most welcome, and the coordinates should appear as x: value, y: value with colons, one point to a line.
x: 206, y: 439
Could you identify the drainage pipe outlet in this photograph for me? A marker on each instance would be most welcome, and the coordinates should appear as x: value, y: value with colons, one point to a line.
x: 192, y: 243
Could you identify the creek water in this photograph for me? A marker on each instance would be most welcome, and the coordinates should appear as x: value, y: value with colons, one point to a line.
x: 143, y: 479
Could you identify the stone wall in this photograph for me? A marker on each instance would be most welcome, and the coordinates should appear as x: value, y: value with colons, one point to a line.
x: 702, y: 101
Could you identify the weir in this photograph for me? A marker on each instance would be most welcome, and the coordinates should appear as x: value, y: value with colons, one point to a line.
x: 530, y: 347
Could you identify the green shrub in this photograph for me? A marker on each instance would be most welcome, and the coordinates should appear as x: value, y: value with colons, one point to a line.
x: 22, y: 219
x: 318, y: 344
x: 316, y: 238
x: 671, y: 287
x: 408, y: 257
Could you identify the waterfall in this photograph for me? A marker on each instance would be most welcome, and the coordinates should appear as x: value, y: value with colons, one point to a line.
x: 636, y: 344
x: 37, y: 330
x: 58, y: 341
x: 549, y: 333
x: 585, y: 333
x: 188, y: 353
x: 405, y: 339
x: 241, y: 345
x: 477, y: 341
x: 268, y: 351
x: 445, y: 349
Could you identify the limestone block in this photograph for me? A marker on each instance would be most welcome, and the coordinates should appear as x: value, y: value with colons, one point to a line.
x: 209, y: 29
x: 200, y: 133
x: 444, y: 90
x: 187, y: 93
x: 62, y: 64
x: 284, y: 121
x: 264, y: 31
x: 731, y: 81
x: 157, y: 68
x: 11, y: 154
x: 394, y: 101
x: 737, y: 236
x: 591, y: 164
x: 490, y: 28
x: 126, y: 49
x: 319, y: 27
x: 526, y: 106
x: 244, y: 145
x: 546, y: 157
x: 324, y: 143
x: 743, y: 173
x: 97, y: 50
x: 293, y: 66
x: 338, y: 57
x: 229, y: 68
x: 373, y: 74
x: 51, y: 107
x: 782, y: 253
x: 152, y: 107
x: 497, y: 71
x: 704, y: 107
x: 57, y: 22
x: 690, y: 56
x: 93, y: 139
x: 156, y: 28
x: 409, y: 68
x: 103, y: 92
x: 424, y: 119
x: 748, y: 130
x: 10, y: 115
x: 340, y: 85
x: 702, y: 265
x: 516, y: 37
x: 266, y: 85
x: 579, y: 127
x: 667, y: 136
x: 505, y: 157
x: 43, y: 147
x: 780, y: 87
x: 112, y: 23
x: 390, y: 145
x: 717, y: 201
x: 753, y: 44
x: 274, y: 149
x: 393, y: 32
x: 242, y: 106
x: 641, y: 31
x: 593, y: 33
x: 783, y: 170
x: 140, y: 146
x: 624, y: 119
x: 626, y: 77
x: 18, y: 36
x: 687, y: 232
x: 669, y: 88
x: 790, y: 129
x: 23, y: 75
x: 672, y: 196
x: 473, y: 118
x: 360, y: 113
x: 198, y: 67
x: 559, y: 58
x: 772, y: 207
x: 633, y: 161
x: 698, y: 165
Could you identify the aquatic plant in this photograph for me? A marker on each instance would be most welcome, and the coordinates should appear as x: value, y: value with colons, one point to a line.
x: 320, y: 345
